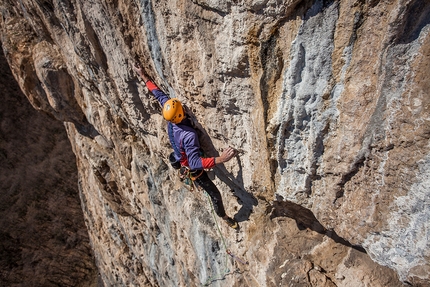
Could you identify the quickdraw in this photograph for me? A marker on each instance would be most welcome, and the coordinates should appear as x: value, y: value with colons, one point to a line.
x: 187, y: 176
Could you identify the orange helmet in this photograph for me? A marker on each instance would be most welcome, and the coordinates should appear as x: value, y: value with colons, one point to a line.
x: 173, y: 111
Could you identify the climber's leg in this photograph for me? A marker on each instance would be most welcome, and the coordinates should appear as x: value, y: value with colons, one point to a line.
x: 204, y: 182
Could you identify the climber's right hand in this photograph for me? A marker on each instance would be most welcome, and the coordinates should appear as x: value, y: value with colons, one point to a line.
x: 139, y: 69
x: 226, y: 155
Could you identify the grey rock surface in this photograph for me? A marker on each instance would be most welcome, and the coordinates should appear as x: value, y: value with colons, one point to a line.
x: 327, y: 102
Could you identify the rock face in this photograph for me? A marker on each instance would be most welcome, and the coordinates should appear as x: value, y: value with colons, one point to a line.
x: 327, y: 102
x: 43, y: 238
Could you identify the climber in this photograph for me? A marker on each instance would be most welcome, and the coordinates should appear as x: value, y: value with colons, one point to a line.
x: 185, y: 143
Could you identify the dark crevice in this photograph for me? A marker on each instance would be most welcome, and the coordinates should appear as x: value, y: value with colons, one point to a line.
x: 271, y: 60
x: 417, y: 16
x: 330, y: 281
x: 214, y: 10
x: 370, y: 3
x: 110, y: 190
x: 137, y: 102
x: 318, y: 152
x: 99, y: 54
x: 48, y: 6
x: 358, y: 21
x: 86, y: 129
x: 286, y: 130
x: 358, y: 164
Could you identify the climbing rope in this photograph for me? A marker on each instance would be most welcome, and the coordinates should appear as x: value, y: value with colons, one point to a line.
x: 226, y: 270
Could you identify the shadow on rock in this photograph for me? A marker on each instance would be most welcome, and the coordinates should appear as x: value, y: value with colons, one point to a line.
x: 306, y: 219
x: 235, y: 184
x: 244, y: 198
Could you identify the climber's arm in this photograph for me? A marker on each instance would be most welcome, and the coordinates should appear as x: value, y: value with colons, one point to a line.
x: 156, y: 91
x: 158, y: 94
x: 195, y: 161
x: 225, y: 156
x: 192, y: 150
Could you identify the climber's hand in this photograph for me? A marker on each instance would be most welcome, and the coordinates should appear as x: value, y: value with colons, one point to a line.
x: 226, y: 155
x: 138, y: 68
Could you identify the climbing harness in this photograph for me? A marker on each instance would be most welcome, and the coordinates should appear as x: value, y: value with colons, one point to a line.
x: 186, y: 172
x: 188, y: 177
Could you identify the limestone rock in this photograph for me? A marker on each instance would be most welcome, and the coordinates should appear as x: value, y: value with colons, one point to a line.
x: 327, y: 102
x: 43, y: 237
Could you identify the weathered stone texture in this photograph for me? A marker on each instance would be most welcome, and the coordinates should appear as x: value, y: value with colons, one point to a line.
x: 43, y: 237
x: 327, y: 102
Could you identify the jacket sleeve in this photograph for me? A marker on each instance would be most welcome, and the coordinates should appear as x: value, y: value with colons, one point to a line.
x: 192, y: 150
x: 161, y: 97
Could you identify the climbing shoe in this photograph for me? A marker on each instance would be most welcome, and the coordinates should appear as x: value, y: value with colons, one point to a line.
x: 232, y: 223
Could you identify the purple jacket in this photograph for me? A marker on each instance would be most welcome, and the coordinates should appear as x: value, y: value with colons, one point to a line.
x: 183, y: 137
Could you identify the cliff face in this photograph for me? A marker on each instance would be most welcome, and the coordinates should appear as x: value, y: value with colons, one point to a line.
x: 43, y: 238
x: 327, y: 102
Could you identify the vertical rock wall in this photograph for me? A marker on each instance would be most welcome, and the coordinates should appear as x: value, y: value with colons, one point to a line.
x: 327, y: 102
x: 43, y: 237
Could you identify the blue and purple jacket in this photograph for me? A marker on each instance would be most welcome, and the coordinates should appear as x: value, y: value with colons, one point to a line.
x: 183, y: 137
